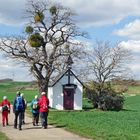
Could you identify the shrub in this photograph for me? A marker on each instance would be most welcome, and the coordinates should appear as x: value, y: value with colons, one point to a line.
x: 107, y: 100
x: 112, y: 102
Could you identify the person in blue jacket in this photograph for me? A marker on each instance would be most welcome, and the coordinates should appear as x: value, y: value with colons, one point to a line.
x: 35, y: 110
x: 18, y: 109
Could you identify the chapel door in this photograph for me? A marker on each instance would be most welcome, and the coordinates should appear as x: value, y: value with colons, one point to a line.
x: 68, y: 98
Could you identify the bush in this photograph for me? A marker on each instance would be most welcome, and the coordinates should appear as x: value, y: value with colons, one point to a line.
x: 107, y: 100
x: 112, y: 102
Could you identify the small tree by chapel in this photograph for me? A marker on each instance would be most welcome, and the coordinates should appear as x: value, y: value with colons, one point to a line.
x: 105, y: 63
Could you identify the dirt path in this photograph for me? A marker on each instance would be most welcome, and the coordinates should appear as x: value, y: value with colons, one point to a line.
x: 30, y: 132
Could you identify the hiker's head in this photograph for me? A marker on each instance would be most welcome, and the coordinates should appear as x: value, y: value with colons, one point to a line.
x: 18, y: 93
x: 43, y: 93
x: 36, y: 96
x: 5, y: 98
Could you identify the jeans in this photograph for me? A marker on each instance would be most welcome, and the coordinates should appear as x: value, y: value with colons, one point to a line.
x: 35, y: 118
x: 44, y: 119
x: 23, y: 117
x: 20, y: 115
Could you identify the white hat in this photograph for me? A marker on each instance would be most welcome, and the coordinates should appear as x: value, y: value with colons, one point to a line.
x: 22, y: 94
x: 43, y: 93
x: 36, y: 96
x: 18, y: 92
x: 5, y: 97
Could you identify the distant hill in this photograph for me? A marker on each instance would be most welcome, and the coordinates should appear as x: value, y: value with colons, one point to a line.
x: 130, y: 82
x: 6, y: 80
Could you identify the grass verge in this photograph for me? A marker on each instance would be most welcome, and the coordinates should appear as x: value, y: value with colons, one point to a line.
x: 3, y: 136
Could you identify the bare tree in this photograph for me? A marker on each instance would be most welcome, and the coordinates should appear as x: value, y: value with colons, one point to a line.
x: 107, y: 62
x: 50, y: 38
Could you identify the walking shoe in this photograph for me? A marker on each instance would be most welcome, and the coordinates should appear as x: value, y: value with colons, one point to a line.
x: 15, y: 127
x: 20, y: 128
x: 44, y: 127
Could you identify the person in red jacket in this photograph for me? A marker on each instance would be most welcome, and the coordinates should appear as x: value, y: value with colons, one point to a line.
x: 5, y: 104
x: 44, y: 109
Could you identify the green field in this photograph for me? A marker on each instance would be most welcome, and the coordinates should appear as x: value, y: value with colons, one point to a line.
x: 134, y: 89
x: 95, y: 124
x: 100, y: 125
x: 9, y: 89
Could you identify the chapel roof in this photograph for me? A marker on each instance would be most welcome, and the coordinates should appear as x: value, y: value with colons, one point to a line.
x: 52, y: 83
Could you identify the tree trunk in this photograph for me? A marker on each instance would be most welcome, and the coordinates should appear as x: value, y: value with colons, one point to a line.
x: 43, y: 85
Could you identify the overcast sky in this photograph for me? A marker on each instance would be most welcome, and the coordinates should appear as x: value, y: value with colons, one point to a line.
x: 108, y: 20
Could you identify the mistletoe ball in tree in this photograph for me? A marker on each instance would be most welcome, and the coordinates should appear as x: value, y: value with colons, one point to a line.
x: 36, y: 40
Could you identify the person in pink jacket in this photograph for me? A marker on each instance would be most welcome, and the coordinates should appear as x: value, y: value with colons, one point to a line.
x: 44, y: 109
x: 5, y: 104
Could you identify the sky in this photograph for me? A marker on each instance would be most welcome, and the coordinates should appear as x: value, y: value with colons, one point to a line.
x: 106, y: 20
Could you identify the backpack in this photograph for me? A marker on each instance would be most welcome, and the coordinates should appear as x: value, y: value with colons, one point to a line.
x: 35, y: 105
x: 4, y: 107
x: 19, y: 103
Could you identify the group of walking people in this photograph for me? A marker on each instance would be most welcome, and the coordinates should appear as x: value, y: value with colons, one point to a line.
x: 39, y: 107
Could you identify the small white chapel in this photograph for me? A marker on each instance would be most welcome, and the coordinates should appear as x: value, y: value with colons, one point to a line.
x: 66, y: 92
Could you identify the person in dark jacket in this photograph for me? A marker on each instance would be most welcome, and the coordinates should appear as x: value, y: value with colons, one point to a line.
x: 5, y: 104
x: 44, y: 109
x: 18, y: 109
x: 35, y: 110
